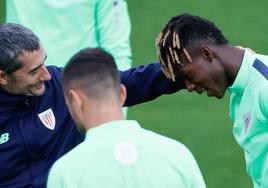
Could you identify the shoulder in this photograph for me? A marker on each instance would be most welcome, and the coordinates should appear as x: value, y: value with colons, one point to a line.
x: 263, y: 102
x: 67, y: 164
x: 260, y: 67
x: 180, y: 157
x: 168, y: 144
x: 258, y: 86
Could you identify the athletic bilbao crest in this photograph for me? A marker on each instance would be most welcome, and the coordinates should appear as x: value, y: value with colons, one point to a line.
x: 48, y: 119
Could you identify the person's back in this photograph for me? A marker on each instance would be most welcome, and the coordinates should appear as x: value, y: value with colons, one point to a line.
x: 116, y: 152
x: 122, y: 154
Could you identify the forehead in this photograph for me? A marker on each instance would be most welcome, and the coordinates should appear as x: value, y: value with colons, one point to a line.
x: 193, y: 52
x: 32, y: 59
x: 187, y: 66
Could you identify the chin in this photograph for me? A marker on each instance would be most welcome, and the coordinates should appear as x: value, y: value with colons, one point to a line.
x: 38, y: 92
x: 217, y: 95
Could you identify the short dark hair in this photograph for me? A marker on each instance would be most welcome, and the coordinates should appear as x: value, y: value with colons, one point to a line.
x: 93, y: 70
x: 181, y: 31
x: 15, y: 40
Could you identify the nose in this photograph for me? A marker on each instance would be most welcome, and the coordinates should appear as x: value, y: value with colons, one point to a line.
x: 45, y: 75
x: 189, y: 86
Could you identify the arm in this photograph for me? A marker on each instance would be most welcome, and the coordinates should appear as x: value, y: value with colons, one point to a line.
x: 146, y: 83
x: 55, y: 179
x: 113, y: 30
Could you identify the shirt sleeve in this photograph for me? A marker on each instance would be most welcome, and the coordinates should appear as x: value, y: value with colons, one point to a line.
x: 187, y: 165
x: 146, y: 83
x: 54, y: 179
x: 113, y: 30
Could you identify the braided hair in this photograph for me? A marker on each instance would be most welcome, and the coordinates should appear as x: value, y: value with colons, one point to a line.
x: 179, y: 32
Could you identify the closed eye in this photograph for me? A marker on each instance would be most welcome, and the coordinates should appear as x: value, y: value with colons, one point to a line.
x: 189, y: 77
x: 186, y: 74
x: 35, y: 70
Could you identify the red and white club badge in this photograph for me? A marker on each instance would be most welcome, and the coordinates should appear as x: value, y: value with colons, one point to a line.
x: 48, y: 119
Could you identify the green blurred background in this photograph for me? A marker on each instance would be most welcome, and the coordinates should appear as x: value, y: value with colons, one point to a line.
x: 201, y: 123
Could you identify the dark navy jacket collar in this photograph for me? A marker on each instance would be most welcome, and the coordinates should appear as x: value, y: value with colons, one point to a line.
x: 9, y: 99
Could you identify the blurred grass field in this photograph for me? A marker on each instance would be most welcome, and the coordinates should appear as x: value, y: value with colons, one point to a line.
x: 201, y: 123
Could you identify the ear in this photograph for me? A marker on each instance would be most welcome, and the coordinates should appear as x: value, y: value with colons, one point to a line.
x: 3, y: 78
x: 206, y: 52
x: 123, y: 94
x: 74, y: 99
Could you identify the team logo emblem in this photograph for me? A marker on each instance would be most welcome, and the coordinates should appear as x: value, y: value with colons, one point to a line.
x: 4, y: 138
x: 126, y: 153
x: 48, y: 119
x: 247, y: 121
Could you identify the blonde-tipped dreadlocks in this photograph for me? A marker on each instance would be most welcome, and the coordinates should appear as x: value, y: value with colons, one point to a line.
x: 168, y: 47
x: 177, y: 34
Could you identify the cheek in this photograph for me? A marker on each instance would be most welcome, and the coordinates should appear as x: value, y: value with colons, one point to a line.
x: 27, y: 81
x: 201, y: 75
x: 209, y: 72
x: 218, y: 74
x: 203, y: 81
x: 222, y: 81
x: 216, y: 80
x: 20, y: 85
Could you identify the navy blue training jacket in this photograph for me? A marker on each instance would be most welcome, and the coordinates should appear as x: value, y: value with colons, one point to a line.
x: 36, y: 131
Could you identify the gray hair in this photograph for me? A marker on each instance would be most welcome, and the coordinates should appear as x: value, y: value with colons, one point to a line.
x: 15, y: 40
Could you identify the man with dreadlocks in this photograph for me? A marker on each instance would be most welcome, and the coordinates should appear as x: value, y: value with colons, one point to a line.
x: 195, y: 49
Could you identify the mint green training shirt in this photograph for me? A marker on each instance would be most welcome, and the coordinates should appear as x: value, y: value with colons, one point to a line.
x: 249, y: 111
x: 121, y: 154
x: 67, y: 26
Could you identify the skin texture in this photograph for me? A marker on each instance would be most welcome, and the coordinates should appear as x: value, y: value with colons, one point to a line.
x: 89, y: 112
x: 28, y: 80
x: 213, y: 68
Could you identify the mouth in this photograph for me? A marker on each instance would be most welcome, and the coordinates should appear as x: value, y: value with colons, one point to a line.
x: 39, y: 86
x: 201, y: 90
x: 211, y: 93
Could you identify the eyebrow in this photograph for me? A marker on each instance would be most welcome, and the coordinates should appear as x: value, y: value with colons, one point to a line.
x: 36, y: 68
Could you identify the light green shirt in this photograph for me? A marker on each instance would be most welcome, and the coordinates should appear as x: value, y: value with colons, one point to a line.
x: 121, y: 154
x: 249, y: 111
x: 67, y: 26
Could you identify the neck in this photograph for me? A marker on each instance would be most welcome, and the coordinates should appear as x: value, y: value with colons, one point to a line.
x: 231, y: 58
x: 102, y: 112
